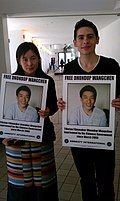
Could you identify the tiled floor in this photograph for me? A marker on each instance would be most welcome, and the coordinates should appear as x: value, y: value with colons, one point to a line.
x: 68, y: 179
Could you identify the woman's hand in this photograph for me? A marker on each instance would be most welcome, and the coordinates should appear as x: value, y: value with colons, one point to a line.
x: 61, y: 104
x: 116, y: 103
x: 44, y: 113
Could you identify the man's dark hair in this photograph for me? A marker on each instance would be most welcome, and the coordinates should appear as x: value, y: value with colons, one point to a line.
x: 23, y: 88
x: 85, y: 23
x: 88, y: 88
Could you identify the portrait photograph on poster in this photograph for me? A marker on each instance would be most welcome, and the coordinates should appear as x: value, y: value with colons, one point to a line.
x: 88, y: 118
x: 21, y: 99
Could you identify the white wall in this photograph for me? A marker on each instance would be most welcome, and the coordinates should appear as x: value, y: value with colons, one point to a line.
x: 109, y: 44
x: 45, y: 60
x: 15, y: 38
x: 4, y: 48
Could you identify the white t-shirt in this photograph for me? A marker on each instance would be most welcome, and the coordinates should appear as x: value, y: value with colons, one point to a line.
x: 13, y: 112
x: 79, y: 117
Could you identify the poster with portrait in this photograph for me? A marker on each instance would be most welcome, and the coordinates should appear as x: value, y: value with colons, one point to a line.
x: 21, y: 99
x: 88, y: 119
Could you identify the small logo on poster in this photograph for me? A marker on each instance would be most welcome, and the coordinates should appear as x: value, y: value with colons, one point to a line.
x: 1, y: 132
x: 109, y: 144
x: 38, y: 137
x: 66, y: 140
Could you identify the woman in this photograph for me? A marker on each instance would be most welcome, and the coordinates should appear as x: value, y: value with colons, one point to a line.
x: 31, y: 165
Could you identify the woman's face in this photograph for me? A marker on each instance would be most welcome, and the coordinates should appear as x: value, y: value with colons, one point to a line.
x: 29, y: 62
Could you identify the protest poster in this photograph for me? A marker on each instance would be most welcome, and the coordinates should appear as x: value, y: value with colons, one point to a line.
x: 88, y: 122
x: 21, y: 98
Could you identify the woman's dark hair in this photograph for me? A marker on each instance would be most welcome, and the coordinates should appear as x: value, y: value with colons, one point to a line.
x: 88, y: 88
x: 21, y: 50
x: 85, y: 23
x: 23, y: 88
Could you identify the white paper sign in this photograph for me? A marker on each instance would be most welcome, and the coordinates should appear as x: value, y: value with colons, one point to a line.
x: 16, y: 120
x: 88, y: 130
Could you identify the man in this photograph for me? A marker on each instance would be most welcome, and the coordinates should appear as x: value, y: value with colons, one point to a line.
x: 21, y: 110
x: 95, y: 166
x: 87, y: 114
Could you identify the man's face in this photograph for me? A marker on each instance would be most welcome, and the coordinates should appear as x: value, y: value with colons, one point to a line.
x: 88, y: 101
x: 86, y: 41
x: 23, y: 99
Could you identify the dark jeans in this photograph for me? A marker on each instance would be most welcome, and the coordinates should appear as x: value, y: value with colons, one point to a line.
x: 96, y: 170
x: 32, y: 193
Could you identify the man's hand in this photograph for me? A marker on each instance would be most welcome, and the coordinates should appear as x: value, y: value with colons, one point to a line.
x: 44, y: 113
x: 61, y: 104
x: 116, y: 103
